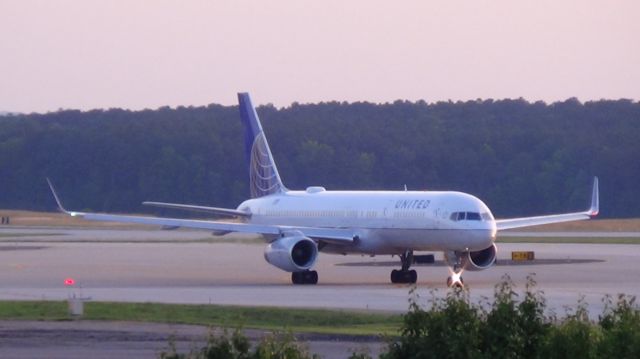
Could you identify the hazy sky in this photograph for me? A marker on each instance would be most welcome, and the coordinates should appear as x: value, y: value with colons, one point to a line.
x: 145, y: 54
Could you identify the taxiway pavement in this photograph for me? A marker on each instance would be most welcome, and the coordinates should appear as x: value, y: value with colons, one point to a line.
x: 190, y: 267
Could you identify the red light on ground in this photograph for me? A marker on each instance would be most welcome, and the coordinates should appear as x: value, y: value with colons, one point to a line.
x: 69, y: 281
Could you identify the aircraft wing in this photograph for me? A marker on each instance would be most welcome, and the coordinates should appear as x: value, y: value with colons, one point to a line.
x: 177, y: 222
x: 554, y: 218
x: 332, y: 235
x: 194, y: 208
x: 336, y: 236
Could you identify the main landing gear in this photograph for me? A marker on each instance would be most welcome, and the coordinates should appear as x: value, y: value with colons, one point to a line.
x: 305, y: 277
x: 405, y: 275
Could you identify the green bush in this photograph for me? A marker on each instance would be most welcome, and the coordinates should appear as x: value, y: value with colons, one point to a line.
x: 449, y: 329
x: 512, y: 329
x: 237, y: 346
x: 574, y: 337
x: 620, y: 326
x: 279, y: 346
x: 453, y: 327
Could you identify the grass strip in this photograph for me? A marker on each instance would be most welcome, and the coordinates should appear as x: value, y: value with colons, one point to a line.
x: 268, y: 318
x: 570, y: 240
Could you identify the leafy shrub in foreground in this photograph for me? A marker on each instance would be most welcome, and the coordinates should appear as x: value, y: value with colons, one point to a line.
x: 573, y: 337
x: 620, y: 326
x: 512, y: 329
x: 449, y: 329
x: 237, y: 346
x: 453, y: 327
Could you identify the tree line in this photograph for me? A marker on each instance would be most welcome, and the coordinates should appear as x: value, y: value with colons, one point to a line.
x: 520, y: 158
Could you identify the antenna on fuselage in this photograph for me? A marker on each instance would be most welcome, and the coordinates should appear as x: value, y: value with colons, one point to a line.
x: 405, y: 188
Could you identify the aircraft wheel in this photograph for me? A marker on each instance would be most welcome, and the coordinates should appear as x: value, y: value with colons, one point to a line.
x: 413, y: 276
x: 311, y: 277
x: 394, y: 276
x: 407, y: 276
x: 296, y: 278
x: 306, y: 277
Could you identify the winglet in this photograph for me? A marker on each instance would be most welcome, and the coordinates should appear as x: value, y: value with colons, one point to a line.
x: 58, y: 202
x: 595, y: 199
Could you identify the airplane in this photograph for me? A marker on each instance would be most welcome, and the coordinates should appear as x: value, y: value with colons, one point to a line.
x: 297, y: 225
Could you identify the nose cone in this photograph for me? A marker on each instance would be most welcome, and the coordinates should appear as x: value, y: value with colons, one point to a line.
x: 486, y: 237
x: 493, y: 230
x: 492, y: 227
x: 488, y: 223
x: 478, y: 239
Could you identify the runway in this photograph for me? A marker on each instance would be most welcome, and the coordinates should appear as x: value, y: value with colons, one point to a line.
x: 192, y: 267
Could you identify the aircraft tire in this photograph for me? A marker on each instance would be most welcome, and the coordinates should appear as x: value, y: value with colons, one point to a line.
x: 412, y: 276
x: 310, y: 277
x: 399, y: 276
x: 394, y: 276
x: 306, y: 277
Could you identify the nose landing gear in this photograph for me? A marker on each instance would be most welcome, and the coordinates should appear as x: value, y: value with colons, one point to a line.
x: 405, y: 275
x: 454, y: 260
x: 455, y: 280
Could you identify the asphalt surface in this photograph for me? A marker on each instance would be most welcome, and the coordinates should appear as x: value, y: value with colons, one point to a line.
x: 193, y: 267
x: 97, y: 340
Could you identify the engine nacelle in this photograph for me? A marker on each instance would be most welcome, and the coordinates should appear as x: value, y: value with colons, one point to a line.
x: 480, y: 260
x: 292, y: 254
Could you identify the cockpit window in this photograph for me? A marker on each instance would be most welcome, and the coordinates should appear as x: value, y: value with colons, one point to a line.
x: 469, y: 216
x: 458, y: 216
x: 473, y: 216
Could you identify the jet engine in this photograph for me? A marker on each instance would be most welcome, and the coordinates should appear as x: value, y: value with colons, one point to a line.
x: 294, y: 253
x: 474, y: 261
x: 479, y: 260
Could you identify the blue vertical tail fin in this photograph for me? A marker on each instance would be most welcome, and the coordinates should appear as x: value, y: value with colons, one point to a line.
x: 263, y: 173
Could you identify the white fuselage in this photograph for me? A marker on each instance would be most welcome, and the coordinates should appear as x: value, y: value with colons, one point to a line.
x: 385, y: 222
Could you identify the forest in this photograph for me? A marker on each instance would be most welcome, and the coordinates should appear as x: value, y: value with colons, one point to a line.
x: 519, y: 157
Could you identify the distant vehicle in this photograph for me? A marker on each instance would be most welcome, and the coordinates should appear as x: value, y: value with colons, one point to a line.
x: 297, y: 225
